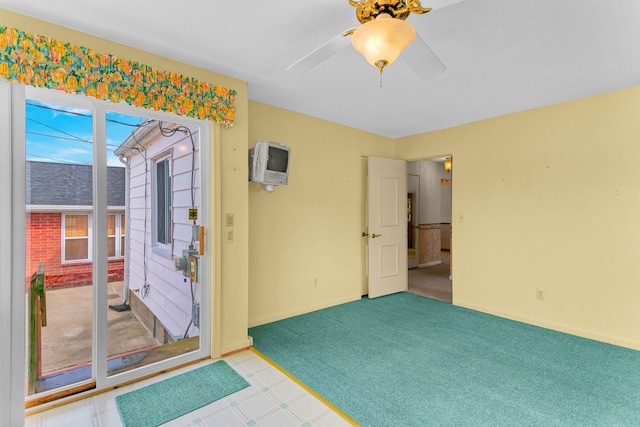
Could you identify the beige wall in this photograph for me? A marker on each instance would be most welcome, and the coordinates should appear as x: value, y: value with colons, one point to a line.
x: 548, y: 199
x: 311, y: 228
x: 229, y: 153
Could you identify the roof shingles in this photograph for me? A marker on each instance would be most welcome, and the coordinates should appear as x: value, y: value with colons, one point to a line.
x: 70, y: 185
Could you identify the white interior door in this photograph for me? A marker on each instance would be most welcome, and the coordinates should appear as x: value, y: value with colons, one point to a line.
x: 387, y: 220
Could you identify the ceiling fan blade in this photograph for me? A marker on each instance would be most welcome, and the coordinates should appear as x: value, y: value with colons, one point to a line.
x: 441, y: 4
x: 322, y: 53
x: 422, y: 61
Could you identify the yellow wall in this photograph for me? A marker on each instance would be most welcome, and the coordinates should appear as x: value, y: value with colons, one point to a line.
x: 229, y: 152
x: 548, y: 199
x: 311, y: 228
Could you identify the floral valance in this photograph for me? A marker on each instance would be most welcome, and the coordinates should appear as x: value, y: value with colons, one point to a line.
x: 45, y: 62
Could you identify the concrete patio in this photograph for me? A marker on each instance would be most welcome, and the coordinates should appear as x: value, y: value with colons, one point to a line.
x: 66, y: 340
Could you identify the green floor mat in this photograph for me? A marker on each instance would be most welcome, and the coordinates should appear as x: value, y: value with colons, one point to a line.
x: 168, y: 399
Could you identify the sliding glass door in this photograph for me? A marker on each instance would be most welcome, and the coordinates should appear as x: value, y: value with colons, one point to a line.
x: 59, y: 162
x: 116, y: 273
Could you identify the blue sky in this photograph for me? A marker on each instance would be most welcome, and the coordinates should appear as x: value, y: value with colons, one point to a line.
x: 63, y: 134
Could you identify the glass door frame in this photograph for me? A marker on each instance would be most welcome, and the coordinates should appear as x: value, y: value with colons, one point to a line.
x: 12, y: 256
x: 12, y: 105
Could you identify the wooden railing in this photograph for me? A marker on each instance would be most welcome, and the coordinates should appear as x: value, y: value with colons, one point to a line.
x: 37, y: 319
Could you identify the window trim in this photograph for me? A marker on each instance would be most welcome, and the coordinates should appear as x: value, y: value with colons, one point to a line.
x: 64, y: 238
x: 119, y: 233
x: 165, y: 157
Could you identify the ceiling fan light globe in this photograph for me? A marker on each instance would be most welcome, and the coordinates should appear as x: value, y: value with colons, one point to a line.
x: 382, y: 39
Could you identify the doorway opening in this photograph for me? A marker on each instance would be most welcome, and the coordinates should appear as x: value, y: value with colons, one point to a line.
x: 430, y: 272
x: 413, y: 202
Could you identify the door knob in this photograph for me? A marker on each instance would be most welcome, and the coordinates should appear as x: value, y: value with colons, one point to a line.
x: 373, y: 236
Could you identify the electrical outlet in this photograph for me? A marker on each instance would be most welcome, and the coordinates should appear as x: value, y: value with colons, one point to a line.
x: 539, y: 294
x: 228, y: 235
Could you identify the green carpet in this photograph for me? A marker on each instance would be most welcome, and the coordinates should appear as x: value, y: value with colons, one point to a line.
x: 405, y: 360
x: 171, y: 398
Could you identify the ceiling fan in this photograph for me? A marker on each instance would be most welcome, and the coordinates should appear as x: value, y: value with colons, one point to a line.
x: 381, y: 37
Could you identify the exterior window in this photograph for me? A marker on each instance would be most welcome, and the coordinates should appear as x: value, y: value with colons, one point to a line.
x: 76, y: 234
x: 122, y: 229
x: 163, y: 201
x: 115, y: 235
x: 76, y: 237
x: 111, y: 235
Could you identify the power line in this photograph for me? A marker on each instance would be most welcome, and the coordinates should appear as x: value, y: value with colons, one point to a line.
x: 66, y: 161
x: 113, y: 146
x: 73, y: 137
x: 70, y: 136
x: 60, y: 110
x: 57, y: 130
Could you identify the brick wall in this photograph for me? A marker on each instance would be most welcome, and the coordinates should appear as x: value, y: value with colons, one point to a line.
x: 43, y: 244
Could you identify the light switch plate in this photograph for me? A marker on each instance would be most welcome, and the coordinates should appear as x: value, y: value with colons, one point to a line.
x: 228, y: 220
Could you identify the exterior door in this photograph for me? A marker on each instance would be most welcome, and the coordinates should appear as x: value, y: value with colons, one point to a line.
x: 387, y: 220
x: 111, y: 195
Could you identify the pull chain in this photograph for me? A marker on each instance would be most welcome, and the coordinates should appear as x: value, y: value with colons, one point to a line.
x: 381, y: 64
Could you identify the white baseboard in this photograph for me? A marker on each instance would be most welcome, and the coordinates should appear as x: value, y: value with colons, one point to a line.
x: 429, y: 264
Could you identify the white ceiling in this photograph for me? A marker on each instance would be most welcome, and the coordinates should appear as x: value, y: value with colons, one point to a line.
x: 502, y: 56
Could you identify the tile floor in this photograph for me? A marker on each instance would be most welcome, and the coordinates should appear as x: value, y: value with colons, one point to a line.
x: 272, y: 400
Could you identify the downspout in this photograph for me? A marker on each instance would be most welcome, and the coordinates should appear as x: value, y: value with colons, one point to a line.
x: 127, y: 220
x: 122, y: 151
x: 124, y: 306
